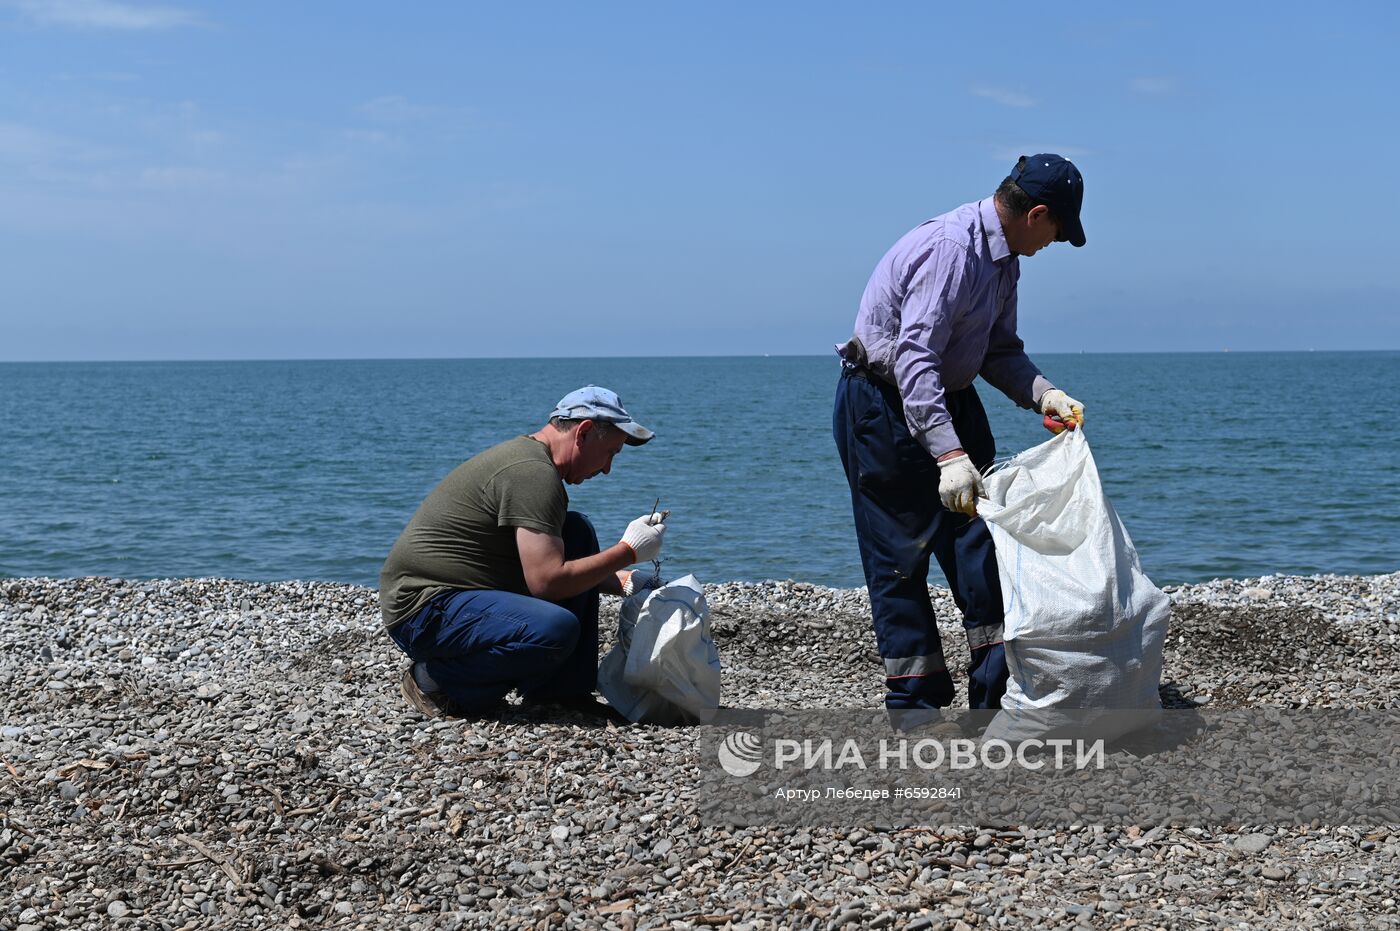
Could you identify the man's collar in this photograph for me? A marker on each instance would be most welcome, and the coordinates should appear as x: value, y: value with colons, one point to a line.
x: 991, y: 227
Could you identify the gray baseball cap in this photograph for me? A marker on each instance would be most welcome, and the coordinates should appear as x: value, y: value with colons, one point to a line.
x: 594, y: 403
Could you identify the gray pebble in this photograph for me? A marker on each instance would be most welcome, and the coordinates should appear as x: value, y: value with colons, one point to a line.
x: 1253, y: 843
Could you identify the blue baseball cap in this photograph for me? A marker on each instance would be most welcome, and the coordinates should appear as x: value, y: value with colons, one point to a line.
x: 594, y: 403
x: 1056, y: 183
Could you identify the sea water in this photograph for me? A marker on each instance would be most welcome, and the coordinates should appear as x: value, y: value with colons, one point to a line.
x: 1226, y: 464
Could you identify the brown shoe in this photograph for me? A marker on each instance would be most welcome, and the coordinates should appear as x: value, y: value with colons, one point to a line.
x: 432, y: 705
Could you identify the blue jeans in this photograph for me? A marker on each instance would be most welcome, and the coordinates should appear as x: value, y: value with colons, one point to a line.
x: 475, y: 646
x: 900, y: 522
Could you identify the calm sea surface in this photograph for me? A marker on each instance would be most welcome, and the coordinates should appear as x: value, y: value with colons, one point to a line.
x: 1219, y: 464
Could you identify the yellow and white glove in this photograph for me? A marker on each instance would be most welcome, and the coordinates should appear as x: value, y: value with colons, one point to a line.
x: 959, y: 484
x: 1062, y: 407
x: 643, y: 537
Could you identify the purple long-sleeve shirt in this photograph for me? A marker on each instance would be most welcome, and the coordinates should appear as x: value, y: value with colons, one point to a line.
x: 940, y: 310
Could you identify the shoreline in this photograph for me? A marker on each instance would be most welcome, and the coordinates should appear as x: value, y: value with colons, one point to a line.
x: 183, y: 751
x: 1215, y: 582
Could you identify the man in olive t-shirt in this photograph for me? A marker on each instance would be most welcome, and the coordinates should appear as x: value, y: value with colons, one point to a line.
x: 494, y: 583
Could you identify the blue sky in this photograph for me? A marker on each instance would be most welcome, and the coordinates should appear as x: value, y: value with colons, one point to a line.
x: 275, y: 180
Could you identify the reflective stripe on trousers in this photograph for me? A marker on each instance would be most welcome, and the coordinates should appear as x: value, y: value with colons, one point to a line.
x: 978, y: 637
x: 902, y: 666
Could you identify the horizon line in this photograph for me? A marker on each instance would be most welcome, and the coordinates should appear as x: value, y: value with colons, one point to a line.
x: 764, y: 355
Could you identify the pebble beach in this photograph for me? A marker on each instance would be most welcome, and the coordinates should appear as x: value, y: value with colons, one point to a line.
x: 209, y: 752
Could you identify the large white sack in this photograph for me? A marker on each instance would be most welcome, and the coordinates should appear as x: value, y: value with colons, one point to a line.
x: 664, y: 668
x: 1084, y: 626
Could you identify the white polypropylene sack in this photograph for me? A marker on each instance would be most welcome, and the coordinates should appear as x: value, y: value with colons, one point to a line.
x: 664, y: 668
x: 1084, y: 626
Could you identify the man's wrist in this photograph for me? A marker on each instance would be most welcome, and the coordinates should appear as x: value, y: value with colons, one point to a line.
x: 951, y: 454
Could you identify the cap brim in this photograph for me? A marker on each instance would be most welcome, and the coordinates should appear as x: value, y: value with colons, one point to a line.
x: 1072, y: 232
x: 636, y: 433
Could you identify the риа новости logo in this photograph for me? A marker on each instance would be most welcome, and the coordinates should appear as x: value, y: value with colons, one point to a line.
x: 740, y: 754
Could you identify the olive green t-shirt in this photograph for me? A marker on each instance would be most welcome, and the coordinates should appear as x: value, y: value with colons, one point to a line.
x: 463, y: 534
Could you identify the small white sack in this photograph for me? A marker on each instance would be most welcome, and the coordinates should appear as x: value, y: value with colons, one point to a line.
x: 1084, y: 626
x: 664, y: 668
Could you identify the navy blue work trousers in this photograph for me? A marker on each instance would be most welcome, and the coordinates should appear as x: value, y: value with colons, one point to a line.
x: 475, y: 646
x: 900, y: 522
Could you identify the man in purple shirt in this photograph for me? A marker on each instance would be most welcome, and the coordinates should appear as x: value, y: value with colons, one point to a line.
x: 940, y: 310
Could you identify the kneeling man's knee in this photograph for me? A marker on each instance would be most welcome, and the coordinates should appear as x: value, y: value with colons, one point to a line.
x: 557, y: 629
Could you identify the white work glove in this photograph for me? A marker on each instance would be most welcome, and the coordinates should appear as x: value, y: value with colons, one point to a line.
x: 960, y: 485
x: 640, y: 580
x: 1062, y: 407
x: 643, y: 537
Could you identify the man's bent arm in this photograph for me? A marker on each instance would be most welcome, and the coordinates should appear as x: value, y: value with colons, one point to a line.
x: 550, y: 576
